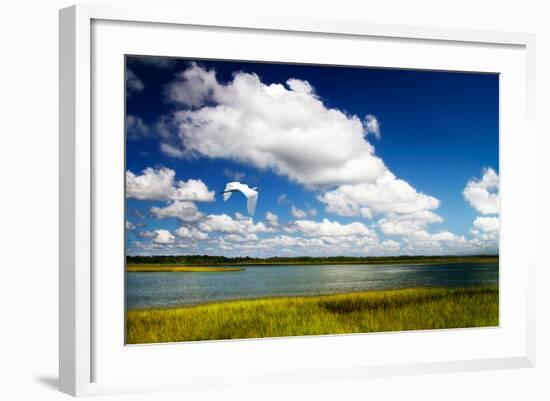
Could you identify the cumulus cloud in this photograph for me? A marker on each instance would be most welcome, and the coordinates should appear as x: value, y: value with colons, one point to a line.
x: 412, y: 228
x: 270, y: 127
x: 407, y: 224
x: 327, y: 228
x: 390, y: 246
x: 193, y: 87
x: 193, y: 190
x: 483, y: 194
x: 272, y: 219
x: 190, y: 233
x: 223, y: 223
x: 300, y: 86
x: 298, y: 213
x: 136, y: 129
x: 487, y: 224
x: 163, y: 237
x: 170, y: 150
x: 182, y: 210
x: 146, y: 234
x: 485, y: 241
x: 323, y: 239
x: 130, y: 226
x: 423, y: 242
x: 384, y: 195
x: 287, y: 129
x: 133, y: 83
x: 159, y: 184
x: 372, y: 126
x: 240, y: 237
x: 151, y: 184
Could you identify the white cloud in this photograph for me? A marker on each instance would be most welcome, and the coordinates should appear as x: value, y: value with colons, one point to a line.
x: 483, y: 194
x: 423, y: 242
x: 147, y: 234
x: 487, y: 224
x: 325, y: 245
x: 407, y: 224
x: 281, y: 241
x: 372, y: 126
x: 272, y: 219
x: 182, y: 210
x: 384, y: 195
x: 152, y: 184
x: 193, y: 87
x: 241, y: 238
x: 298, y: 213
x: 133, y: 83
x: 130, y: 226
x: 165, y: 128
x: 170, y: 150
x: 390, y: 246
x: 485, y: 241
x: 287, y: 129
x: 300, y: 86
x: 163, y: 237
x: 283, y: 199
x: 191, y: 233
x: 158, y: 184
x: 135, y: 128
x: 192, y: 190
x: 223, y: 223
x: 412, y: 228
x: 327, y: 228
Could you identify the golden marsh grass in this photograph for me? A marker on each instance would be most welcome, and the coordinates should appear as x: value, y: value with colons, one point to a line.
x: 359, y: 312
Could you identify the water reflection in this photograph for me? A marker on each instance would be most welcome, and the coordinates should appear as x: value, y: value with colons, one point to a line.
x: 144, y: 290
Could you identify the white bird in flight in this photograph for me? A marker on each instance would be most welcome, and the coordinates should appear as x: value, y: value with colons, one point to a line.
x: 250, y: 193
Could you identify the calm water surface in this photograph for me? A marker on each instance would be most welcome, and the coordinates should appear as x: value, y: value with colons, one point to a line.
x: 148, y: 290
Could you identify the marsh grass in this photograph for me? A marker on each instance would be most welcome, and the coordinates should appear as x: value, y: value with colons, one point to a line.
x: 154, y: 268
x: 360, y: 312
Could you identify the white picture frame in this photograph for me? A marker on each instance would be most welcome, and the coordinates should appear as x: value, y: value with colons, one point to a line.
x: 80, y: 343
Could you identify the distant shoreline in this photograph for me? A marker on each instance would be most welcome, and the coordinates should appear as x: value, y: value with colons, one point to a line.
x: 210, y: 265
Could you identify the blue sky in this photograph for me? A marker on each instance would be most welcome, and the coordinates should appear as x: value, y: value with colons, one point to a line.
x: 348, y: 160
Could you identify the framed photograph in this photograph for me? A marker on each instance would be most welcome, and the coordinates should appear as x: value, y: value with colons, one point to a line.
x: 273, y: 200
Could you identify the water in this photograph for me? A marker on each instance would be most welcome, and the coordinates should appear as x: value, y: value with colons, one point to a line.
x: 147, y: 290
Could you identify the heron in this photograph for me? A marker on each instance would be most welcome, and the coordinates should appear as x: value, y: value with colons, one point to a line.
x: 251, y: 194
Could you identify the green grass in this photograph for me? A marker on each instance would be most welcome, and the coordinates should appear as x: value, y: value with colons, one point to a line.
x: 152, y: 268
x: 360, y: 312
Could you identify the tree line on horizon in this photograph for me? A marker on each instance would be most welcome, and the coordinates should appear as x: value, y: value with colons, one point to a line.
x: 209, y: 259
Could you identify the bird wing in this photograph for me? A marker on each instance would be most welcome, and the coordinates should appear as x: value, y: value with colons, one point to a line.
x: 229, y: 187
x: 250, y: 194
x: 251, y: 202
